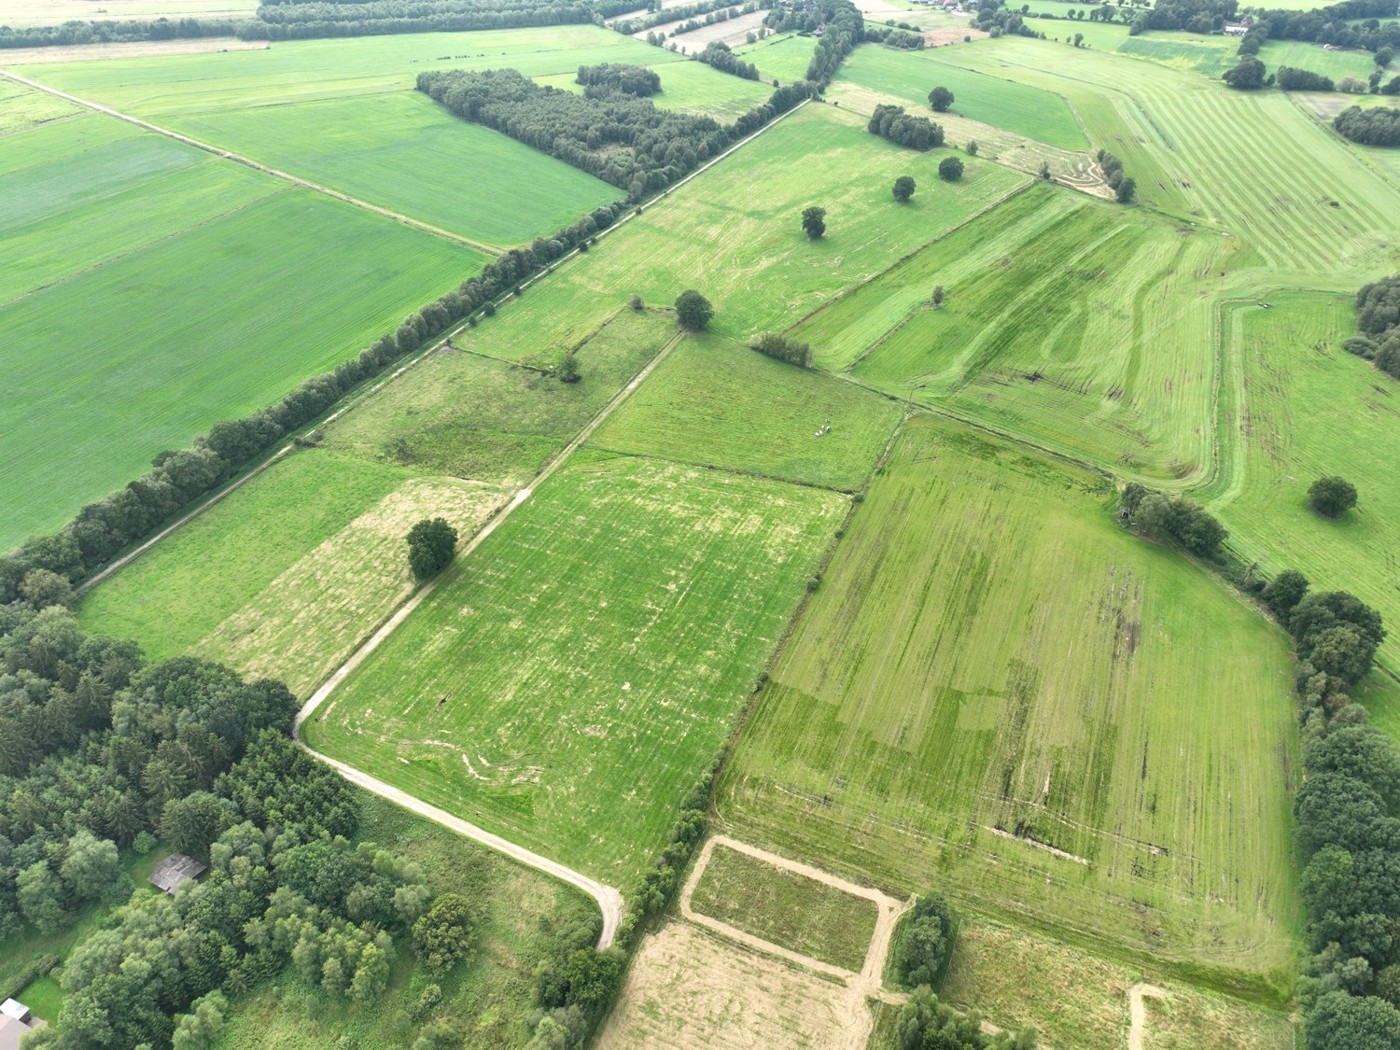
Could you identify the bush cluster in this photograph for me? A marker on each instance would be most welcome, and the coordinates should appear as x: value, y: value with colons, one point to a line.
x: 1124, y: 187
x: 783, y: 348
x: 1378, y: 320
x: 718, y: 55
x: 894, y: 125
x: 1175, y: 517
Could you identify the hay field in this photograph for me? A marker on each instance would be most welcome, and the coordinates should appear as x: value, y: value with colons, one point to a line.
x: 24, y: 107
x: 998, y: 692
x: 1056, y: 316
x: 783, y: 57
x: 717, y: 402
x: 691, y: 87
x: 166, y: 292
x: 566, y: 684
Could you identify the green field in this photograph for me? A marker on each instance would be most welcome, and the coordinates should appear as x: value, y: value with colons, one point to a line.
x: 17, y: 13
x: 786, y: 909
x: 1056, y: 312
x: 1301, y: 407
x: 24, y: 107
x: 999, y: 690
x: 471, y: 417
x: 1314, y: 57
x: 566, y: 684
x: 911, y: 75
x: 782, y: 58
x: 692, y: 87
x: 744, y: 248
x: 715, y: 401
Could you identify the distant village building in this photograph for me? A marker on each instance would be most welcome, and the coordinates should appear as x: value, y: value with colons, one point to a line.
x: 174, y: 871
x: 15, y: 1023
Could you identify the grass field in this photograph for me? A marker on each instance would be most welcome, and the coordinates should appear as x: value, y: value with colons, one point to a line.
x: 692, y: 87
x: 1317, y: 59
x: 20, y: 13
x: 911, y: 75
x: 786, y: 909
x: 744, y: 247
x: 1302, y: 407
x: 470, y: 417
x: 144, y: 350
x: 566, y: 684
x: 1056, y: 312
x: 782, y: 58
x: 25, y: 107
x: 715, y: 401
x: 998, y: 693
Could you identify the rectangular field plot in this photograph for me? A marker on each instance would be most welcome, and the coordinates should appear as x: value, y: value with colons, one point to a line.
x: 717, y: 402
x: 1056, y: 312
x: 471, y: 417
x: 24, y: 107
x: 118, y: 362
x: 781, y: 58
x: 911, y: 75
x: 289, y: 600
x: 735, y: 233
x: 567, y: 683
x: 1312, y: 410
x: 691, y: 87
x: 999, y: 693
x: 786, y: 908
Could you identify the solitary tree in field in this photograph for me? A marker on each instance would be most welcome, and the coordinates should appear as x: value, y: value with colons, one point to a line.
x: 568, y: 369
x: 940, y: 98
x: 938, y: 295
x: 903, y: 188
x: 950, y: 169
x: 431, y: 544
x: 814, y: 222
x: 693, y: 311
x: 924, y: 940
x: 1126, y: 190
x: 1332, y: 496
x: 971, y: 148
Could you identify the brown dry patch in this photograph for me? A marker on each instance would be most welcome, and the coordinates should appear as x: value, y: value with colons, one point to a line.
x: 952, y: 35
x: 141, y: 49
x: 687, y: 989
x: 733, y: 32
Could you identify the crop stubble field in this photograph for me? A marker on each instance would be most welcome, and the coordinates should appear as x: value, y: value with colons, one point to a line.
x: 998, y: 693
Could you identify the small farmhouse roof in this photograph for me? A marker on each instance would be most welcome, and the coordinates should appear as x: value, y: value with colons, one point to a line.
x: 175, y: 870
x: 14, y: 1008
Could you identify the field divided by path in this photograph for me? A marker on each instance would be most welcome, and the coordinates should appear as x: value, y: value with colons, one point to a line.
x: 998, y: 693
x: 566, y: 684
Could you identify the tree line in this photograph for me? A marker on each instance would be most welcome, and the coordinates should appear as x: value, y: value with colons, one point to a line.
x: 1249, y: 74
x: 1124, y: 186
x: 783, y: 348
x: 1194, y: 16
x: 898, y: 35
x: 1378, y: 321
x: 842, y: 25
x: 894, y: 125
x: 689, y: 11
x: 719, y: 55
x: 1350, y: 24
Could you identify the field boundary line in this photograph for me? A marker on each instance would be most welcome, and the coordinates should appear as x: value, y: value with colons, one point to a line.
x: 609, y: 898
x: 249, y: 162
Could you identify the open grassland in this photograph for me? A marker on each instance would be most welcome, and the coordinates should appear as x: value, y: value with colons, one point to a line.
x: 735, y: 234
x: 1000, y: 694
x: 1186, y: 52
x: 1056, y: 314
x: 1302, y: 407
x: 688, y: 989
x: 786, y: 908
x: 118, y: 362
x: 691, y: 87
x: 471, y: 417
x: 566, y: 684
x: 289, y: 602
x: 1248, y: 166
x: 1017, y: 980
x: 344, y: 113
x: 24, y: 107
x: 717, y: 402
x: 782, y: 58
x: 21, y: 13
x: 487, y: 999
x: 911, y: 75
x: 1316, y: 58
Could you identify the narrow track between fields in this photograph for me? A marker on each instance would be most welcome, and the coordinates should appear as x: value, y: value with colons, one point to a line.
x: 237, y: 158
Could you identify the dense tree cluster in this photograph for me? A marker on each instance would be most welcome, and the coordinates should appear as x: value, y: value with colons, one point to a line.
x: 1377, y: 126
x: 1290, y: 78
x: 718, y: 55
x: 842, y: 26
x: 783, y: 348
x: 1350, y: 24
x: 692, y: 11
x: 925, y: 941
x: 1175, y: 517
x: 1194, y: 16
x: 901, y: 36
x: 894, y: 125
x: 638, y: 81
x: 298, y: 20
x: 1378, y: 319
x: 1247, y: 75
x: 993, y: 17
x: 923, y: 1023
x: 111, y: 32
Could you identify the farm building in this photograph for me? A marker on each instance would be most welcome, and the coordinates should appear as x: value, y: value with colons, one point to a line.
x: 15, y: 1022
x: 174, y: 871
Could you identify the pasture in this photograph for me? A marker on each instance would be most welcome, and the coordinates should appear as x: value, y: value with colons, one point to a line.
x: 1056, y: 309
x: 691, y: 87
x: 179, y: 311
x: 999, y: 692
x: 1298, y: 407
x: 783, y: 58
x: 1002, y: 103
x: 467, y: 416
x: 566, y: 684
x: 24, y: 107
x: 744, y: 248
x: 1317, y: 59
x: 22, y: 13
x: 716, y: 402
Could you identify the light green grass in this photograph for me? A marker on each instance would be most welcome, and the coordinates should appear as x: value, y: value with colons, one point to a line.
x: 735, y: 234
x: 24, y: 107
x: 988, y: 649
x: 782, y: 58
x: 1056, y: 312
x: 717, y: 402
x: 471, y: 417
x: 691, y: 87
x: 18, y: 13
x: 144, y: 352
x: 1186, y: 52
x: 911, y: 75
x: 566, y: 684
x: 1317, y: 59
x: 487, y: 999
x: 786, y: 909
x: 1312, y: 409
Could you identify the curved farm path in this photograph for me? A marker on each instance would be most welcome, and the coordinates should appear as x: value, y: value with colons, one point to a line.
x: 237, y: 158
x: 1138, y: 1013
x: 867, y: 984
